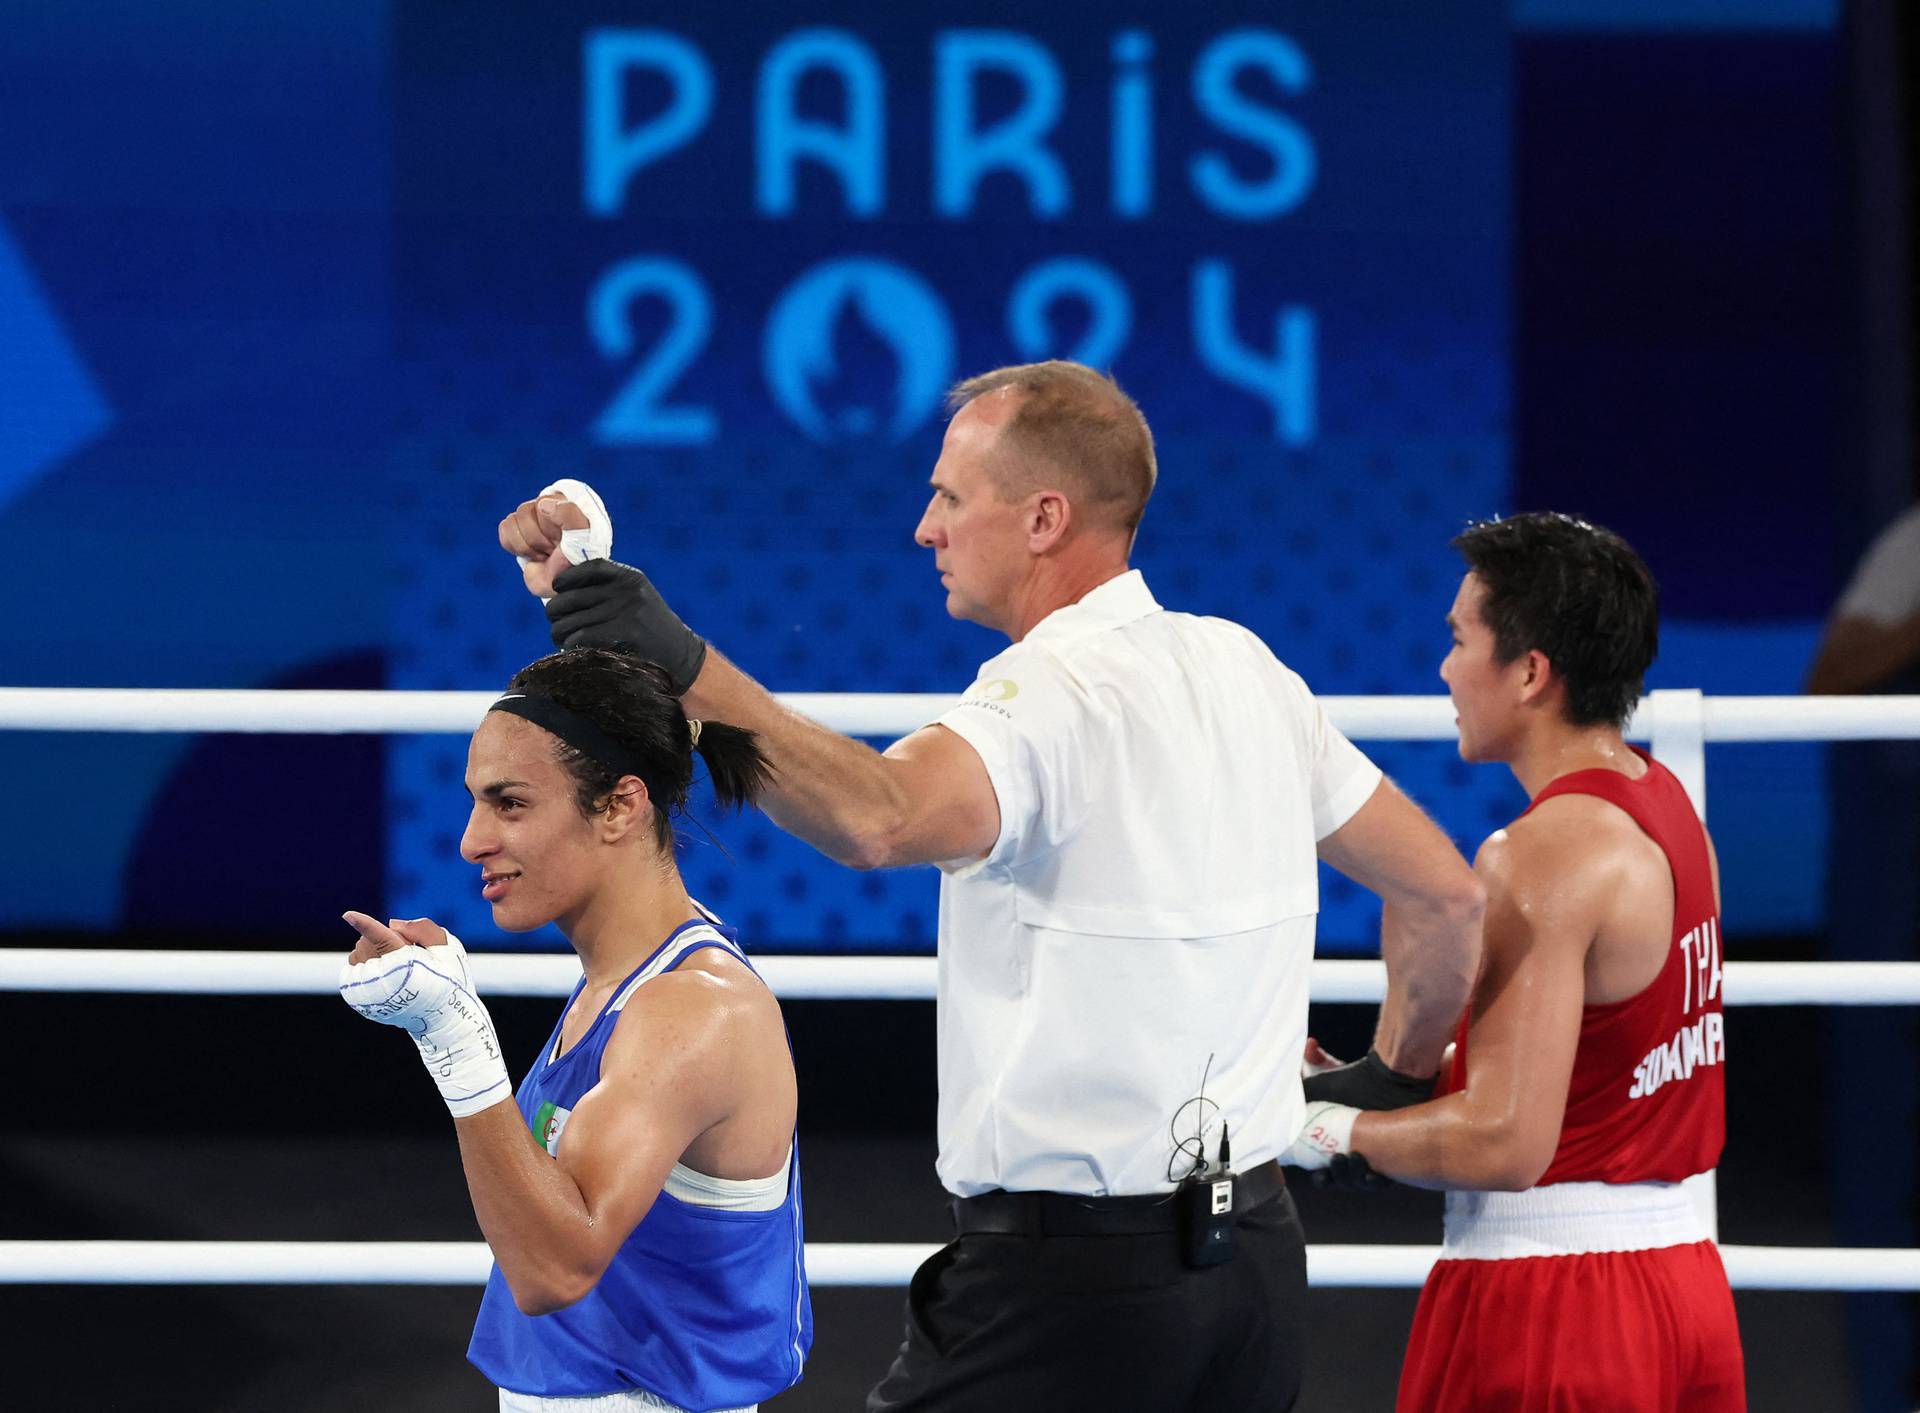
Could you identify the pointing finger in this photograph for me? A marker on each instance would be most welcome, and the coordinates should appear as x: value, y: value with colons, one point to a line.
x: 375, y: 939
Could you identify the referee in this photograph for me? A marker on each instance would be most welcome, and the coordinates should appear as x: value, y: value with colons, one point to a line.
x: 1126, y: 807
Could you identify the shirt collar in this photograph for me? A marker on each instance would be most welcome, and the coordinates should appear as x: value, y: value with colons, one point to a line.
x: 1119, y: 601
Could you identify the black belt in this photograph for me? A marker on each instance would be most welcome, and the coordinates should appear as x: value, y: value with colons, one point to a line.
x: 1069, y: 1214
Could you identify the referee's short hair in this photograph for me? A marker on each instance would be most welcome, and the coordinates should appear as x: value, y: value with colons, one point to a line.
x: 1073, y: 427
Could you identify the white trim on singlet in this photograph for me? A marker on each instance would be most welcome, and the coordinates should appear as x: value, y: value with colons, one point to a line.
x: 698, y: 1189
x: 799, y: 1295
x: 1569, y: 1219
x: 702, y: 934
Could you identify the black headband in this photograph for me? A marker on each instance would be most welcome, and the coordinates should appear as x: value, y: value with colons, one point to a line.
x: 577, y: 731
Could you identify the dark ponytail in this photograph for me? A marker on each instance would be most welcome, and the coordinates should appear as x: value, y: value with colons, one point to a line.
x: 631, y: 702
x: 736, y: 766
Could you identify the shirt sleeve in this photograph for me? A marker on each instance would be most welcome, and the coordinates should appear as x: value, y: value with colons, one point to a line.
x: 1886, y: 586
x: 1028, y: 722
x: 1343, y: 778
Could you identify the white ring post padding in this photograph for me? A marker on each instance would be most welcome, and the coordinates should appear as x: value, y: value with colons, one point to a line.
x: 858, y: 713
x: 849, y: 978
x: 1676, y: 734
x: 828, y: 1264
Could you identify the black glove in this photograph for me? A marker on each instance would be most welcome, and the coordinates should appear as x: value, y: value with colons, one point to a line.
x: 1349, y: 1172
x: 1369, y: 1084
x: 601, y: 604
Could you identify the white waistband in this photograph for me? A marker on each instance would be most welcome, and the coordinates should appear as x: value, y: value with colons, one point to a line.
x: 633, y: 1400
x: 1569, y: 1219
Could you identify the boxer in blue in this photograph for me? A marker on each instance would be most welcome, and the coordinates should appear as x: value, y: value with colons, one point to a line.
x: 642, y: 1196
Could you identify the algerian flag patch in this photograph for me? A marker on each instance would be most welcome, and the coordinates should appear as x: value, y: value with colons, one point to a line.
x: 548, y: 1120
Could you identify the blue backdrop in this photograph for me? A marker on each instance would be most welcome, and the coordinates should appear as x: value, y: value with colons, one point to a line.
x: 293, y: 306
x: 725, y: 270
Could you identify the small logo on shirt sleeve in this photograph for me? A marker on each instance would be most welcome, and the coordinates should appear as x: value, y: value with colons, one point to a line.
x: 990, y: 693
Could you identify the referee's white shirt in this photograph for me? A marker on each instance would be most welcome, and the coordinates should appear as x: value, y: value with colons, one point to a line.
x: 1145, y: 918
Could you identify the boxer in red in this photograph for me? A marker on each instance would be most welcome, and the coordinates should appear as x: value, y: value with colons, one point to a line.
x: 1586, y: 1081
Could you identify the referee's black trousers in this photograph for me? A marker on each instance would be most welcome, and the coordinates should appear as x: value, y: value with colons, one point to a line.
x: 1106, y: 1324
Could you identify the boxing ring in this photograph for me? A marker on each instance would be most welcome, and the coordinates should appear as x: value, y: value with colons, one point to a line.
x: 1678, y: 725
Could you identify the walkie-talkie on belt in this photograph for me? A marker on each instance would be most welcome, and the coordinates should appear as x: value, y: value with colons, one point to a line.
x: 1206, y: 1213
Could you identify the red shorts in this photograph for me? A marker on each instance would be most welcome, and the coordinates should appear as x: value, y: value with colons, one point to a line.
x: 1623, y: 1331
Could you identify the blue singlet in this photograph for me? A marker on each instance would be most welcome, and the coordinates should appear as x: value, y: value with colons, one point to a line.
x: 704, y: 1307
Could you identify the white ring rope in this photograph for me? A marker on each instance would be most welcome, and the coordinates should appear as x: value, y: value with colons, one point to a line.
x: 828, y: 1264
x: 859, y: 713
x: 849, y: 978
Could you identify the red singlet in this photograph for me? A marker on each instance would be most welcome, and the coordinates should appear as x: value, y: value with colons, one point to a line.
x: 1647, y: 1098
x: 1591, y: 1290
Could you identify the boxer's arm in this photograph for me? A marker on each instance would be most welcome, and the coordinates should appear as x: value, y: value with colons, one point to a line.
x: 1429, y: 926
x: 678, y: 1063
x: 1546, y: 894
x: 925, y: 799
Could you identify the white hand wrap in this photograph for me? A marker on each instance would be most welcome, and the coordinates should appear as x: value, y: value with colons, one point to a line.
x: 1327, y: 1133
x: 594, y: 542
x: 1310, y: 1068
x: 428, y: 992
